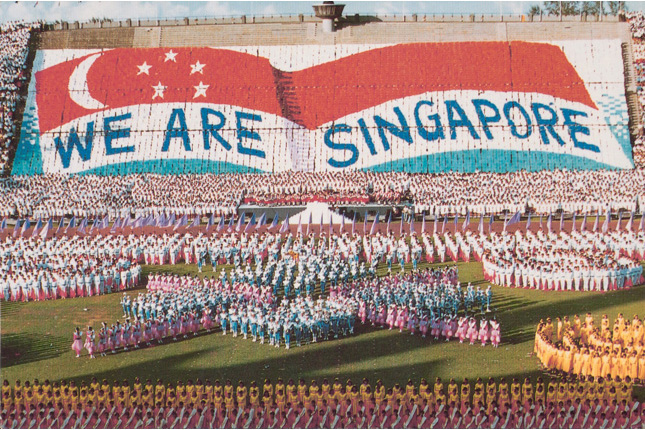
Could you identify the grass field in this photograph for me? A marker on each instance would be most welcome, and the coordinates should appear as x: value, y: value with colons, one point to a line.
x: 36, y: 340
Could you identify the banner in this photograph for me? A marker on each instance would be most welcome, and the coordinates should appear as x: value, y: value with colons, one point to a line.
x: 417, y: 107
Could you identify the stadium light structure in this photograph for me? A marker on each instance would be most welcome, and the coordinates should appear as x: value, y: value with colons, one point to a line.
x: 328, y: 12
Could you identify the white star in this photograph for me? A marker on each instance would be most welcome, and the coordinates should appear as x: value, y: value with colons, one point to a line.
x: 170, y: 56
x: 144, y: 68
x: 159, y: 89
x: 197, y: 68
x: 200, y: 90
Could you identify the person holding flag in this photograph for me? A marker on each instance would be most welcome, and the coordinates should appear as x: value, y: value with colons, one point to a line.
x: 211, y: 221
x: 117, y: 224
x: 514, y: 219
x: 528, y: 223
x: 46, y: 230
x: 220, y: 224
x: 374, y: 224
x: 466, y: 222
x: 261, y: 221
x: 548, y: 222
x: 25, y: 227
x: 170, y: 221
x: 16, y: 228
x: 583, y: 227
x: 605, y: 225
x: 250, y: 224
x: 595, y: 224
x: 274, y: 223
x: 83, y: 225
x: 240, y: 222
x: 285, y: 225
x: 195, y: 222
x: 72, y: 223
x: 39, y: 225
x: 182, y: 222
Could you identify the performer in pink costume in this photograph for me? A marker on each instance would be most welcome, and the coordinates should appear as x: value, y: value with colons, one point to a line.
x: 472, y: 330
x: 381, y: 316
x: 103, y: 339
x: 462, y: 329
x: 89, y: 341
x: 435, y: 328
x: 362, y: 314
x: 483, y: 332
x: 412, y: 321
x: 400, y: 319
x: 77, y: 345
x: 445, y: 328
x: 423, y: 326
x: 495, y: 333
x: 207, y: 321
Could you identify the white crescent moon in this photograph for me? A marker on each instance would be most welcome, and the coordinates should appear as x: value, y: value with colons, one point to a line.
x: 78, y: 89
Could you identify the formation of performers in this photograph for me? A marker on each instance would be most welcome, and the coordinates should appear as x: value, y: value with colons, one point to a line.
x: 36, y: 269
x: 579, y: 261
x: 579, y: 347
x: 426, y: 302
x: 67, y: 267
x: 564, y: 403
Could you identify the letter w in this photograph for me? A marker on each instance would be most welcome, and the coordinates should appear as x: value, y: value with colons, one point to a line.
x: 84, y: 152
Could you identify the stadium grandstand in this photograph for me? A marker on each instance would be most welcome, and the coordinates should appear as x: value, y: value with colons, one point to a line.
x: 316, y: 199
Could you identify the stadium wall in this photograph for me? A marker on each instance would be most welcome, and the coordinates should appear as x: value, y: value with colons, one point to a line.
x: 378, y: 96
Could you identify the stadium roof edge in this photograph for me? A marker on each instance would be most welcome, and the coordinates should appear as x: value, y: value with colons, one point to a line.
x: 346, y: 20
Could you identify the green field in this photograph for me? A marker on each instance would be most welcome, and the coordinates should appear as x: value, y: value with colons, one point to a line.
x: 36, y: 340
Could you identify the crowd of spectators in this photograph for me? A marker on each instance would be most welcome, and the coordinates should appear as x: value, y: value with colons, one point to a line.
x: 542, y: 192
x: 636, y: 21
x: 14, y: 40
x: 90, y: 195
